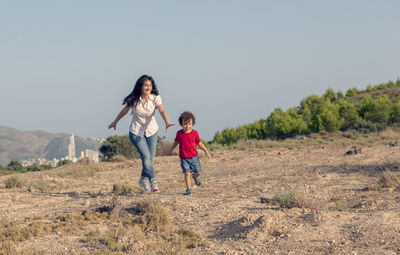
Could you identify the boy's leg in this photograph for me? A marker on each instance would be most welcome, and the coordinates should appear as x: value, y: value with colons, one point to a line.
x: 196, y: 167
x: 187, y: 180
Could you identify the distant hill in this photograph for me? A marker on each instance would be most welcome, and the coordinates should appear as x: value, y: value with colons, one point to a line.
x: 19, y: 145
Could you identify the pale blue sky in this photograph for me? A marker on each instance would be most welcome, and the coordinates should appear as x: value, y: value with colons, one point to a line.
x: 65, y: 66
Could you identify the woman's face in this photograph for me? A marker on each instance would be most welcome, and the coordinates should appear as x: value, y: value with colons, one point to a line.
x: 146, y: 88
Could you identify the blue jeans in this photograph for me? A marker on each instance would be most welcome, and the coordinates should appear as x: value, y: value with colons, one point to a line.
x: 146, y: 147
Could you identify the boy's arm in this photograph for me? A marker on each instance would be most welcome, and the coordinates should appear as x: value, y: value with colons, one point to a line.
x: 201, y: 145
x: 172, y: 148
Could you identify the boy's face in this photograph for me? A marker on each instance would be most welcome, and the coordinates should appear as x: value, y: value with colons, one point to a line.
x: 187, y: 125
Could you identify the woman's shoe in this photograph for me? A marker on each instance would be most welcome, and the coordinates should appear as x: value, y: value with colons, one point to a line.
x: 154, y: 185
x: 143, y: 182
x: 188, y: 192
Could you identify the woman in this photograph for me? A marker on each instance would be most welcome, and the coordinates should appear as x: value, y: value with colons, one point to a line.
x: 143, y: 101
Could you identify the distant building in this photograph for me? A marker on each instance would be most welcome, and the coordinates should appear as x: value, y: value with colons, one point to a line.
x: 92, y: 155
x: 54, y: 163
x: 71, y: 147
x: 28, y: 162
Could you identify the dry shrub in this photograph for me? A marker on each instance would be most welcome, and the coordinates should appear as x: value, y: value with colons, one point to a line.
x: 123, y: 189
x: 15, y: 181
x: 8, y: 247
x: 41, y: 185
x: 17, y: 231
x: 119, y: 158
x: 84, y: 161
x: 192, y: 239
x: 146, y: 229
x: 388, y: 134
x: 153, y: 217
x: 389, y: 180
x: 79, y: 171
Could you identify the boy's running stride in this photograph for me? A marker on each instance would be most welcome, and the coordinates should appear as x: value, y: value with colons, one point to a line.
x: 188, y: 139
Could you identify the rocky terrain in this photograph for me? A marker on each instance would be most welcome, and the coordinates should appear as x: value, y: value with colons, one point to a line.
x: 300, y: 196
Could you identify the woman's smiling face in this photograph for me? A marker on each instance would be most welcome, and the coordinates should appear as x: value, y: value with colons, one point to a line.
x: 147, y: 88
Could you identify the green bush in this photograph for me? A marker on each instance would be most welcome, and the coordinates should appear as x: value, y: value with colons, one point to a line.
x: 63, y: 162
x: 286, y: 199
x: 367, y: 127
x: 118, y: 145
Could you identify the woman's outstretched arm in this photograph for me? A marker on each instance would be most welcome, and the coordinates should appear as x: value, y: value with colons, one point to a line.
x: 164, y: 115
x: 121, y: 114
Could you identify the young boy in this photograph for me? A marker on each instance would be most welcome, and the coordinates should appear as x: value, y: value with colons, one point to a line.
x: 188, y: 139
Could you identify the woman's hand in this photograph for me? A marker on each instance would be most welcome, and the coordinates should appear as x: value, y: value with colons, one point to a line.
x: 112, y: 125
x: 121, y: 114
x: 164, y: 115
x: 168, y: 126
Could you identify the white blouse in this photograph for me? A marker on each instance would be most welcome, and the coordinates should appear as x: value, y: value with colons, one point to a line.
x: 143, y: 116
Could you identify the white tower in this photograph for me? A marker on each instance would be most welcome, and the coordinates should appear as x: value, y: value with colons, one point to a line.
x: 71, y: 147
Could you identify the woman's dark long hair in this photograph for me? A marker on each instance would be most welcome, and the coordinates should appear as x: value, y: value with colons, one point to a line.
x: 133, y: 98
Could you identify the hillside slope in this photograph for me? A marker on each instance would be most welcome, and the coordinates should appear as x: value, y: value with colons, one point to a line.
x: 19, y: 145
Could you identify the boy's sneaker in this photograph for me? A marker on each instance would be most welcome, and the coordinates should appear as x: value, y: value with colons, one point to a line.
x: 144, y: 184
x: 188, y: 192
x: 196, y: 179
x: 154, y: 185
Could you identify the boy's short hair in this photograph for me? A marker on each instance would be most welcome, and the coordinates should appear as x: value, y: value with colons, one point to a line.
x: 185, y: 116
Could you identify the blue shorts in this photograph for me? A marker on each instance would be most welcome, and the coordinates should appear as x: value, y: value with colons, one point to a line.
x: 191, y: 165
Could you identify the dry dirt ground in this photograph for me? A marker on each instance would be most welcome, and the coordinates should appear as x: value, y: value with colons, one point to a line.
x: 339, y: 209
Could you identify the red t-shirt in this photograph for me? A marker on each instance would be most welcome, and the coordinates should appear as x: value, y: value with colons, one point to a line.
x: 187, y: 143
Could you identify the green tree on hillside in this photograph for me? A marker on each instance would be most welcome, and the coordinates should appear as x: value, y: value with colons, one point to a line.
x: 351, y: 92
x: 378, y: 110
x: 286, y: 124
x: 320, y: 114
x: 394, y: 115
x: 349, y: 114
x: 330, y: 95
x: 15, y: 165
x: 257, y: 130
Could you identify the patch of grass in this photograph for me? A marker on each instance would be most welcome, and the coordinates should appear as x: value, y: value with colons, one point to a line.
x: 286, y: 199
x: 15, y: 181
x: 389, y: 180
x: 146, y: 228
x: 41, y: 185
x: 79, y: 171
x: 337, y: 206
x: 192, y: 239
x: 7, y: 247
x: 5, y: 172
x: 124, y: 189
x: 119, y: 158
x: 153, y: 217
